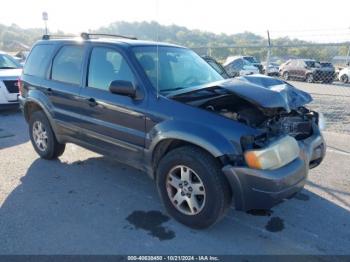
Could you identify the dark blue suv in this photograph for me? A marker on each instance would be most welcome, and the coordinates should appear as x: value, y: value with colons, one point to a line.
x: 208, y: 142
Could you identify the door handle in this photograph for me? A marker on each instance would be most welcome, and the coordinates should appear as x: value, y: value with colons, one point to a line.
x: 49, y: 91
x: 92, y: 101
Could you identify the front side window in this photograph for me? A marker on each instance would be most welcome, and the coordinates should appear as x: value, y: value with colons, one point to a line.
x: 67, y: 65
x: 107, y: 65
x: 178, y: 68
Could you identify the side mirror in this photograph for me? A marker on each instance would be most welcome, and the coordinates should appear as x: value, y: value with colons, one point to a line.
x: 123, y: 88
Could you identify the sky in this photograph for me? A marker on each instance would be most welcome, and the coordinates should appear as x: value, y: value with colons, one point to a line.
x: 315, y: 20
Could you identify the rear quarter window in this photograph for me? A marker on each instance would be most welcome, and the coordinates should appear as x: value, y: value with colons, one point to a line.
x: 38, y: 60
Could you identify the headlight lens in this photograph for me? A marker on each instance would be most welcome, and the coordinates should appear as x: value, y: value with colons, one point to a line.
x: 321, y: 122
x: 276, y: 155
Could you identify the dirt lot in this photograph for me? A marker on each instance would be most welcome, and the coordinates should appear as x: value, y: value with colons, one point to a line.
x: 85, y: 203
x: 333, y: 101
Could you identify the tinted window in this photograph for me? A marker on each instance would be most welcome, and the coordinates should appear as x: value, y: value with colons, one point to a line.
x: 310, y: 63
x: 66, y: 66
x: 238, y: 64
x: 107, y: 65
x: 38, y: 60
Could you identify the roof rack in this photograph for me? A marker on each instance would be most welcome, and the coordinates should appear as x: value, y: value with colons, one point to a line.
x: 48, y: 37
x: 86, y: 36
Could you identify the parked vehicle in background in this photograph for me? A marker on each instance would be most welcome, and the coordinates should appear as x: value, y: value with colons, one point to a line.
x: 307, y: 70
x: 255, y: 62
x: 206, y: 140
x: 238, y: 66
x: 217, y: 66
x: 10, y: 71
x: 22, y: 56
x: 273, y: 69
x: 344, y: 75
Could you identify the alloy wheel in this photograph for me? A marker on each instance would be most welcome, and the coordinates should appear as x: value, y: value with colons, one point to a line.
x: 186, y: 190
x: 40, y: 135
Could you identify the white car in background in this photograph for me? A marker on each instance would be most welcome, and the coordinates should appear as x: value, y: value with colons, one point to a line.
x: 238, y: 66
x: 344, y: 75
x: 10, y: 71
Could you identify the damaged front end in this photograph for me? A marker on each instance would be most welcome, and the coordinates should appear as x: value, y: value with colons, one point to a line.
x: 288, y: 143
x: 270, y: 105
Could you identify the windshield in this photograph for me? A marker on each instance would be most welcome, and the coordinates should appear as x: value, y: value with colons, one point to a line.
x: 179, y: 68
x: 312, y: 64
x: 7, y: 62
x: 323, y: 64
x: 251, y: 59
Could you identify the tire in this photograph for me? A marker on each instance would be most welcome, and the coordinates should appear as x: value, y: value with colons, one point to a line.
x: 344, y: 78
x: 285, y: 75
x: 42, y: 137
x: 213, y: 199
x: 309, y: 78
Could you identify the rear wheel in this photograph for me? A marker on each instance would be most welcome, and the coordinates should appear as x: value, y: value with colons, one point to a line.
x: 192, y: 187
x: 43, y: 138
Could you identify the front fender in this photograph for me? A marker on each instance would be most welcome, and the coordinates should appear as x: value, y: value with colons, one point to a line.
x: 203, y: 136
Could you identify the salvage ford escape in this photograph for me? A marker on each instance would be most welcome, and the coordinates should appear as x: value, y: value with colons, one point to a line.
x: 208, y: 142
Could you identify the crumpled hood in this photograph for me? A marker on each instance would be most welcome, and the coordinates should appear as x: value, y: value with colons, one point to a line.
x: 263, y: 91
x: 267, y: 92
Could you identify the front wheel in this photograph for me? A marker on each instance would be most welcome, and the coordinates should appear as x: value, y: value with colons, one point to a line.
x: 285, y: 75
x: 43, y: 138
x: 192, y: 187
x: 344, y: 78
x: 310, y: 78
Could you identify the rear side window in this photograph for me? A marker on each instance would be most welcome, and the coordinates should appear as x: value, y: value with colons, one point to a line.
x: 38, y: 60
x: 67, y: 65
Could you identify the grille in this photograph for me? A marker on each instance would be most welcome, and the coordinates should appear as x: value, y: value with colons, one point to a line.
x: 11, y: 85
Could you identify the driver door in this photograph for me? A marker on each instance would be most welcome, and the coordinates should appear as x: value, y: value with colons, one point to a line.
x: 112, y: 122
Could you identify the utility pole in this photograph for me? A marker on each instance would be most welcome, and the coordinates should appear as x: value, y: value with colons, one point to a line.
x: 348, y: 54
x: 45, y: 17
x: 268, y: 53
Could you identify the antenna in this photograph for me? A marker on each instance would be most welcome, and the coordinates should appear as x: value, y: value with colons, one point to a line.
x: 157, y: 40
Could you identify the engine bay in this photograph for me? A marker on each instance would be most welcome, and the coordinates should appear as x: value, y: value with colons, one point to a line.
x: 274, y: 122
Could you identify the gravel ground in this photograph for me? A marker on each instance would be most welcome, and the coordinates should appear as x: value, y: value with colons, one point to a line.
x: 336, y: 110
x: 331, y: 100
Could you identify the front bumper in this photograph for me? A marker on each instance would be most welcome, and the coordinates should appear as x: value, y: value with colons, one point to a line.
x: 262, y: 189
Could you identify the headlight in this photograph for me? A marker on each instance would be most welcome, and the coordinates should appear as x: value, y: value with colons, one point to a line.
x: 321, y: 122
x: 276, y: 155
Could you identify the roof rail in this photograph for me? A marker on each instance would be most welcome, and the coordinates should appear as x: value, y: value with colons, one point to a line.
x: 48, y: 37
x: 87, y: 36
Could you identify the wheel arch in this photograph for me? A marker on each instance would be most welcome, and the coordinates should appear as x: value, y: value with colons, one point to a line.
x: 166, y: 145
x: 34, y: 104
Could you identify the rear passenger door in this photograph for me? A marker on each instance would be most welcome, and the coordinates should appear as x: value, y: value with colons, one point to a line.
x: 63, y: 87
x: 113, y: 122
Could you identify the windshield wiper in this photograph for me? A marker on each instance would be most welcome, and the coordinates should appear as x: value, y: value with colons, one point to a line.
x: 172, y: 89
x: 8, y: 67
